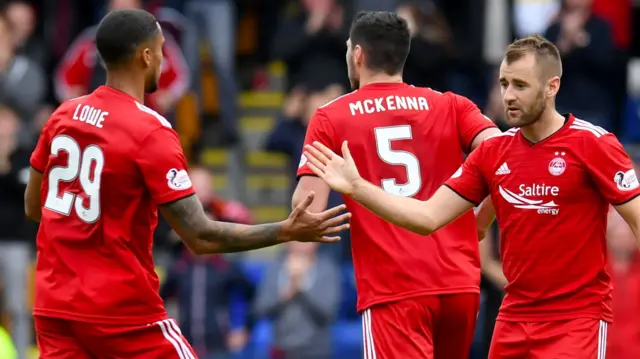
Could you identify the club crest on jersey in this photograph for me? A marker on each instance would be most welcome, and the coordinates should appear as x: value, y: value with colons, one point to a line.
x: 303, y: 161
x: 558, y: 165
x: 626, y: 181
x: 178, y: 179
x: 457, y: 173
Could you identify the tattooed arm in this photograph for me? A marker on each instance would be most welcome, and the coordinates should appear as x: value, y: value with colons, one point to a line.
x: 202, y: 235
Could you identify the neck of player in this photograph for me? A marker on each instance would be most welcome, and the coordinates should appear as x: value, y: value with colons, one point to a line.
x: 378, y: 78
x: 125, y: 81
x: 549, y: 123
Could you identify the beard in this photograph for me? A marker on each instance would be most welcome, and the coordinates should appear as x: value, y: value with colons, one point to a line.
x: 355, y: 83
x: 528, y: 115
x: 151, y: 86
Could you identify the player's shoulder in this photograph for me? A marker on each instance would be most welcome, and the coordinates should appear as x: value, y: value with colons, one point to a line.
x: 587, y: 131
x: 338, y: 103
x: 148, y: 117
x: 501, y: 139
x: 64, y: 109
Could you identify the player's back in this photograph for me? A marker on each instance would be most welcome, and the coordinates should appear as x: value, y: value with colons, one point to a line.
x: 98, y: 217
x: 409, y: 141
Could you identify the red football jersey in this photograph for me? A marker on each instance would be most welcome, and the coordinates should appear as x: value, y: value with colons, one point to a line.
x: 408, y: 140
x: 107, y: 163
x: 551, y: 200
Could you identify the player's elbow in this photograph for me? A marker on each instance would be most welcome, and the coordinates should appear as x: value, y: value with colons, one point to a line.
x: 32, y: 213
x: 32, y: 208
x: 422, y: 230
x: 421, y: 224
x: 194, y: 246
x: 199, y: 246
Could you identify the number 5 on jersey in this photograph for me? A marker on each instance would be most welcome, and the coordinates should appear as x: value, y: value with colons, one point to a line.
x: 79, y: 165
x: 384, y: 137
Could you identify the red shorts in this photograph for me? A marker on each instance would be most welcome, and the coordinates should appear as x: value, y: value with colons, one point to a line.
x: 66, y: 339
x: 436, y: 326
x: 581, y: 338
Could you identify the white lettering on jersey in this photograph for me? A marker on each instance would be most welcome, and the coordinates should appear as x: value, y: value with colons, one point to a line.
x: 178, y: 179
x: 538, y: 190
x: 626, y: 181
x: 90, y: 115
x: 523, y: 199
x: 389, y: 103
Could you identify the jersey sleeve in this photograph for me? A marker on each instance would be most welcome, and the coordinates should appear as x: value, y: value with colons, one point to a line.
x: 164, y: 167
x: 40, y: 155
x: 611, y: 170
x: 468, y: 181
x: 469, y: 120
x: 319, y: 129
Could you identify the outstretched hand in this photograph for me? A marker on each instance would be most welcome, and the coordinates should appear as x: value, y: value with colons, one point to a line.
x: 305, y: 226
x: 340, y: 173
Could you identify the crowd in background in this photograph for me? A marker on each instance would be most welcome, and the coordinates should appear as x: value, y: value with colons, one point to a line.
x: 299, y: 301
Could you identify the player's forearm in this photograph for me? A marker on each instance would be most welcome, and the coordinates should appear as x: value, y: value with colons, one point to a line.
x: 485, y: 216
x: 223, y: 237
x: 202, y: 235
x: 405, y: 212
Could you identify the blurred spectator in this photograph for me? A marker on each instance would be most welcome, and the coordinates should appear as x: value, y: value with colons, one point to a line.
x: 7, y: 350
x: 301, y: 294
x: 533, y: 17
x: 213, y: 296
x: 586, y: 45
x: 22, y: 17
x: 311, y: 41
x: 288, y: 138
x: 618, y: 14
x: 215, y: 22
x: 22, y: 83
x: 81, y: 70
x: 215, y: 206
x: 212, y: 292
x: 15, y: 248
x: 624, y: 336
x: 220, y: 208
x: 431, y: 45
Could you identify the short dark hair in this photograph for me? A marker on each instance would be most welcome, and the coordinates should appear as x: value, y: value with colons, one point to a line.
x: 384, y: 37
x: 546, y: 53
x: 121, y: 32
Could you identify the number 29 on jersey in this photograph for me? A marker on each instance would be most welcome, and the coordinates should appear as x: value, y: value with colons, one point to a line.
x: 85, y: 166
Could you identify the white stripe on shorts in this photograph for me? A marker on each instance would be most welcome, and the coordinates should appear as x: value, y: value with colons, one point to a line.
x: 172, y: 333
x: 602, y: 340
x: 367, y: 334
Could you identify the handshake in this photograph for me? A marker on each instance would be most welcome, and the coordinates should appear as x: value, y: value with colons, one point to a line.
x: 341, y: 175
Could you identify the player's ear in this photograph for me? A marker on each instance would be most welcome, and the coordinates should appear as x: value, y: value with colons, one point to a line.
x: 147, y: 57
x: 553, y: 86
x: 358, y: 55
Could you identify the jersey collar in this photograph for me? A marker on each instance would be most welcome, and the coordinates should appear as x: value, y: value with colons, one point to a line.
x: 568, y: 120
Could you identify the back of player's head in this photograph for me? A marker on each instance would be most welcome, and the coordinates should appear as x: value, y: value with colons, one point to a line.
x: 121, y: 32
x: 546, y: 54
x: 384, y: 38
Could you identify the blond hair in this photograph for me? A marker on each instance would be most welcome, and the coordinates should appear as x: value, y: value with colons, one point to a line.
x: 545, y: 52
